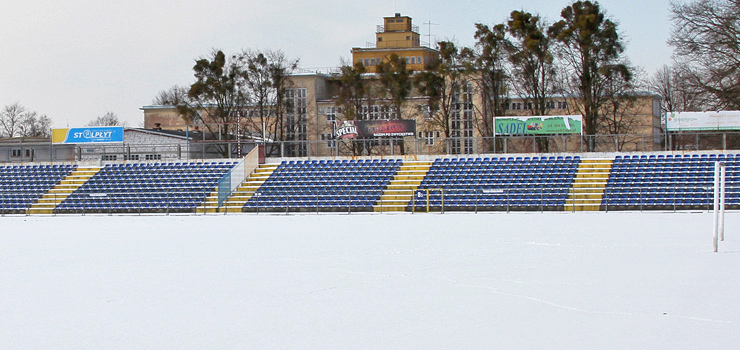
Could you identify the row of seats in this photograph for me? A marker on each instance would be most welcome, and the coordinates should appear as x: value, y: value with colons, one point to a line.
x: 669, y: 157
x: 507, y: 182
x: 473, y: 161
x: 169, y: 166
x: 146, y: 186
x: 21, y: 186
x: 354, y: 185
x: 669, y: 181
x: 493, y: 183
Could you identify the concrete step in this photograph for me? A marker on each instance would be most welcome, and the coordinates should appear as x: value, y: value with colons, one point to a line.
x: 389, y: 208
x: 242, y: 193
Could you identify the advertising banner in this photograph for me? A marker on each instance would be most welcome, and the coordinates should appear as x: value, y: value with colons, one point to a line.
x: 375, y: 128
x: 539, y: 125
x: 102, y: 134
x: 698, y: 121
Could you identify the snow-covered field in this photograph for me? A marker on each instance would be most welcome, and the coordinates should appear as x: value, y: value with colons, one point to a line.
x: 369, y: 281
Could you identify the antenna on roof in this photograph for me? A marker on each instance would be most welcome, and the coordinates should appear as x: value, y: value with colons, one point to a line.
x: 429, y: 25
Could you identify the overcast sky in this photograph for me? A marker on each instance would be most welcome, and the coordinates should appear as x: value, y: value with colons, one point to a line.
x: 76, y: 60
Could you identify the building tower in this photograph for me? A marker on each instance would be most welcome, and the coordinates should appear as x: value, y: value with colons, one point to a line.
x: 397, y: 36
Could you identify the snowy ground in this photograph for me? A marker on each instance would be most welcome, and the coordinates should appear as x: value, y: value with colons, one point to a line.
x: 369, y: 281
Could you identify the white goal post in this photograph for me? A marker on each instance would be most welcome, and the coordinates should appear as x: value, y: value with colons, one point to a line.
x: 720, y: 177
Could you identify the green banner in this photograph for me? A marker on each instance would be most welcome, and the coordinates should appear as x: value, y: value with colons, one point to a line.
x: 540, y: 125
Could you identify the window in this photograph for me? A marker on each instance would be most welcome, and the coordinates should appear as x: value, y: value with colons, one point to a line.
x: 28, y: 153
x: 377, y: 112
x: 296, y: 122
x: 425, y: 111
x: 408, y: 37
x: 153, y: 157
x: 374, y: 112
x: 428, y: 137
x: 131, y: 157
x: 562, y: 105
x: 418, y: 59
x: 461, y: 124
x: 330, y: 113
x: 109, y: 157
x: 550, y: 105
x: 505, y: 106
x: 330, y: 141
x: 380, y: 38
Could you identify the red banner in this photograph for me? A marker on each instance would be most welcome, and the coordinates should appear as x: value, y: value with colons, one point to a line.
x: 375, y: 128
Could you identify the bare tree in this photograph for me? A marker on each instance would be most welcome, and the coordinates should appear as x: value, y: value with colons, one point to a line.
x: 486, y: 64
x: 678, y: 95
x: 591, y: 50
x: 236, y: 96
x: 532, y: 60
x: 217, y: 96
x: 353, y: 95
x: 266, y: 79
x: 440, y: 83
x: 706, y: 39
x: 11, y: 118
x: 35, y: 125
x: 617, y: 116
x: 532, y: 64
x: 397, y: 83
x: 18, y: 121
x: 107, y: 119
x: 174, y: 96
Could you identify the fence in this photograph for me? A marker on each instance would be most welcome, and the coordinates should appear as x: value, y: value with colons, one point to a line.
x: 437, y: 200
x: 22, y: 152
x: 506, y: 144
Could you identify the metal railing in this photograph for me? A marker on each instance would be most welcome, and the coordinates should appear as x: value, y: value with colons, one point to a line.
x: 439, y: 146
x: 433, y: 200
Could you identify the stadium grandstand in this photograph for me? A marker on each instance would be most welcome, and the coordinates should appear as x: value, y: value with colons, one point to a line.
x: 495, y: 182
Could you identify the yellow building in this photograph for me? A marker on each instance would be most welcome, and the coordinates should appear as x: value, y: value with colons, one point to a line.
x: 397, y: 36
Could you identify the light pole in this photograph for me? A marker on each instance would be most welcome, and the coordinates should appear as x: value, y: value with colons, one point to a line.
x: 335, y: 148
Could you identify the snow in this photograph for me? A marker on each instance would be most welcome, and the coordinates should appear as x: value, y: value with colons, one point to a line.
x: 370, y: 281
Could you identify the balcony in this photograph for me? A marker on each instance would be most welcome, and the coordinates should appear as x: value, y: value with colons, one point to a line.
x: 397, y: 28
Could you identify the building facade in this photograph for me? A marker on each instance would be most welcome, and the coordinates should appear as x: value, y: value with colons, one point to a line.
x: 314, y: 111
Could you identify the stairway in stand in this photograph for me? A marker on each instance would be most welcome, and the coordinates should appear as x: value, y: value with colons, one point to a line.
x: 589, y: 184
x: 241, y: 195
x: 400, y: 190
x: 56, y: 195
